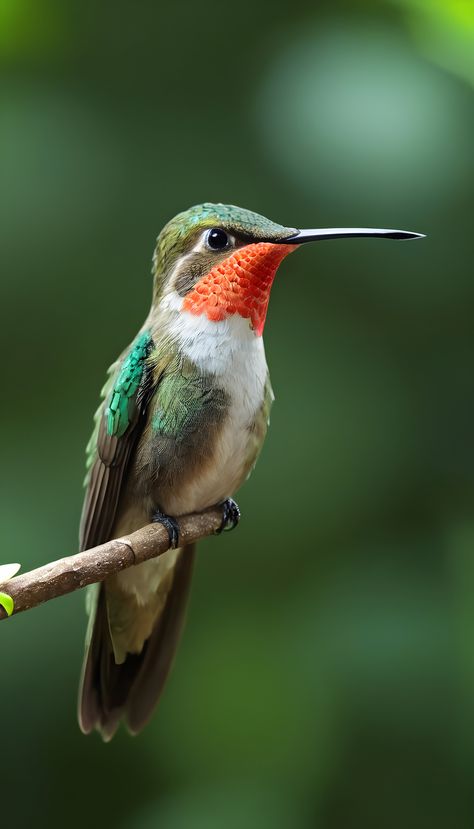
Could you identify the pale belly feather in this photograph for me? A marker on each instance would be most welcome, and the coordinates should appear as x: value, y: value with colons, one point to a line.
x: 236, y: 356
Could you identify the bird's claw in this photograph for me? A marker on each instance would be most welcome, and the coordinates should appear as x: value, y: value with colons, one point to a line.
x: 170, y: 524
x: 230, y: 515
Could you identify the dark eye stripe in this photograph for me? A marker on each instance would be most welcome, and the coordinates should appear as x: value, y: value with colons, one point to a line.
x: 192, y: 271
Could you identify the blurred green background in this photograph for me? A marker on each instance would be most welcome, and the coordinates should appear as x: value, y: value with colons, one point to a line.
x: 326, y: 675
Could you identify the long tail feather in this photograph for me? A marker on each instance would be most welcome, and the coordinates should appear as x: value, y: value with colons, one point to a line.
x: 109, y: 691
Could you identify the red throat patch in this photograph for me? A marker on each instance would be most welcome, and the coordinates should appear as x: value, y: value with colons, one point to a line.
x: 240, y: 284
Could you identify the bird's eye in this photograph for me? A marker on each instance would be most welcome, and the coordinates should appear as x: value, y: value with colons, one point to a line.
x: 217, y: 239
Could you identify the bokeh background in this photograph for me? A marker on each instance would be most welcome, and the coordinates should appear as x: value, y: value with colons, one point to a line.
x: 326, y: 675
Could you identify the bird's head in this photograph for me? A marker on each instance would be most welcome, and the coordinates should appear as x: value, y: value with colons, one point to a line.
x: 219, y: 260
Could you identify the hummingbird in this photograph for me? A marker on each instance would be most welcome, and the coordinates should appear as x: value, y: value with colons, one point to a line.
x: 182, y: 420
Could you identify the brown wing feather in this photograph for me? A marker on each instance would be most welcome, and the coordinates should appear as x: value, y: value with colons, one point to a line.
x: 103, y: 492
x: 109, y: 467
x: 109, y: 690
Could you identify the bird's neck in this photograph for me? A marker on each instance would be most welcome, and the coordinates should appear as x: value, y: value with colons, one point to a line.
x: 225, y: 348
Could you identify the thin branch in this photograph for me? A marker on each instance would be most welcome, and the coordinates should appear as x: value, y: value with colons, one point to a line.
x: 68, y: 574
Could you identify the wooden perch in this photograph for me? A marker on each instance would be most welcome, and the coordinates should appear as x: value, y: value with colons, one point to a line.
x: 67, y: 574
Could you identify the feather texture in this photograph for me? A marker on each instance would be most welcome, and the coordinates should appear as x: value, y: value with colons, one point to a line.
x: 182, y: 420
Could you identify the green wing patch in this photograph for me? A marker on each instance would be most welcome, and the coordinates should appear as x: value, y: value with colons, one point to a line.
x: 122, y: 401
x: 118, y: 425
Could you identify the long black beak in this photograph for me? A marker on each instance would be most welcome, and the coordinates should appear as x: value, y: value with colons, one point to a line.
x: 346, y: 232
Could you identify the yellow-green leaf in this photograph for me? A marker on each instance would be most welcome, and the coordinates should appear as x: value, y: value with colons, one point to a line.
x: 7, y: 603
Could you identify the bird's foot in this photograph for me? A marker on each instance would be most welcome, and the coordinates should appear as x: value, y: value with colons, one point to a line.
x: 170, y: 524
x: 230, y: 515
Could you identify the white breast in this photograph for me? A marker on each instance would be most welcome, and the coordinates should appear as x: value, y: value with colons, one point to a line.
x: 231, y: 351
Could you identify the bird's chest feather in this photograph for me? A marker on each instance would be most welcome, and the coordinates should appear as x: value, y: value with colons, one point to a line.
x: 218, y: 404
